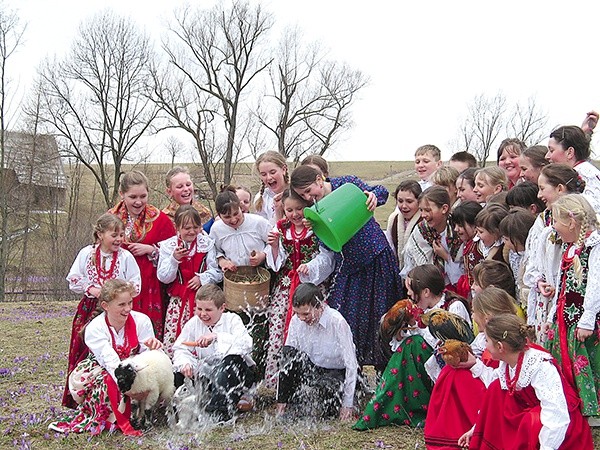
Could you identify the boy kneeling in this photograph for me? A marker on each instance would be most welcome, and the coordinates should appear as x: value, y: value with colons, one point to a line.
x: 318, y: 358
x: 216, y: 345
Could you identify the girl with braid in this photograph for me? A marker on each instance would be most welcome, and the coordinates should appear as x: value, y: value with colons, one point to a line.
x: 572, y: 330
x: 273, y: 171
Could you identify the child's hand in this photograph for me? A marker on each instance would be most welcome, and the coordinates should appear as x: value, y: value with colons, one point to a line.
x: 138, y: 249
x: 273, y: 237
x: 346, y: 413
x: 277, y: 205
x: 470, y: 362
x: 464, y: 440
x: 307, y: 223
x: 207, y: 339
x: 153, y: 344
x: 371, y: 201
x: 226, y: 265
x: 581, y: 334
x: 439, y: 250
x: 94, y: 291
x: 546, y: 289
x: 180, y: 252
x: 257, y: 258
x: 194, y: 283
x: 187, y: 371
x: 302, y: 269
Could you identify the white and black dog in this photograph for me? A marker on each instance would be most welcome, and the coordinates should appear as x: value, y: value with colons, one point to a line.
x: 148, y: 377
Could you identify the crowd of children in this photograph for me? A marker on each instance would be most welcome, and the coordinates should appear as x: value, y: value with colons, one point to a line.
x: 499, y: 261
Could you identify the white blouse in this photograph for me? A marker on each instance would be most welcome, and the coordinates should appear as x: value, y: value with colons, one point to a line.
x: 237, y: 244
x: 168, y: 265
x: 319, y: 268
x: 591, y: 175
x: 84, y: 274
x: 539, y: 372
x: 268, y: 206
x: 98, y: 339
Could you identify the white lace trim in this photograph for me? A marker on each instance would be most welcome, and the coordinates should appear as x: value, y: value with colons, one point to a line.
x: 531, y: 363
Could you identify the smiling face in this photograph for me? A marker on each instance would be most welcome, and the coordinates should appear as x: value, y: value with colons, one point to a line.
x: 483, y: 189
x: 509, y: 162
x: 465, y: 190
x: 189, y: 231
x: 181, y: 189
x: 465, y: 231
x: 233, y: 218
x: 245, y: 199
x: 312, y: 192
x: 407, y: 204
x: 425, y: 165
x: 434, y: 215
x: 118, y: 309
x: 294, y: 211
x: 111, y: 240
x: 135, y: 199
x: 309, y: 314
x: 528, y: 171
x: 272, y: 176
x: 548, y: 193
x: 567, y: 229
x: 558, y: 154
x: 208, y: 312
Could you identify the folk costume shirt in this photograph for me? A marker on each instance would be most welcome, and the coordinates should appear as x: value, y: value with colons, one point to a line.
x: 237, y: 244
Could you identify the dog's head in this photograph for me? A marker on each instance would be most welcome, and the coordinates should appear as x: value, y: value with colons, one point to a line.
x: 125, y: 374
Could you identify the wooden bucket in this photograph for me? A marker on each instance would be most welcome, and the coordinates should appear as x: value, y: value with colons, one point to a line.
x: 247, y: 288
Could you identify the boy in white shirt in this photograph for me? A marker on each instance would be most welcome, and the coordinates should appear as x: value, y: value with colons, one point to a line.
x: 216, y: 345
x: 319, y: 353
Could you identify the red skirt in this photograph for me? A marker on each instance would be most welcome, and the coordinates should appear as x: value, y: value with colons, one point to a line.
x: 453, y: 407
x: 513, y: 421
x: 77, y: 348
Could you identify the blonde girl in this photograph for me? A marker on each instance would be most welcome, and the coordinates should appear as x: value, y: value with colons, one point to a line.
x: 104, y: 260
x: 186, y: 261
x: 528, y: 403
x: 273, y: 171
x: 573, y: 320
x: 489, y: 181
x: 296, y: 257
x: 180, y: 190
x: 434, y: 241
x: 446, y: 177
x: 115, y: 334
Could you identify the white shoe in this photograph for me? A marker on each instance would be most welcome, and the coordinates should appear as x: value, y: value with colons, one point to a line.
x: 594, y: 421
x: 55, y: 428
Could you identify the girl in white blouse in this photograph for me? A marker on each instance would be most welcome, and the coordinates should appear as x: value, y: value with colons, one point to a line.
x: 528, y: 404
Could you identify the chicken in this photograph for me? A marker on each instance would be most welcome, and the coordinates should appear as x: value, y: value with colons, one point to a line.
x: 445, y: 325
x: 399, y: 316
x: 454, y: 352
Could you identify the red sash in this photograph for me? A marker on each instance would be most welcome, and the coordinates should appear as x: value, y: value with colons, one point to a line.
x: 129, y: 347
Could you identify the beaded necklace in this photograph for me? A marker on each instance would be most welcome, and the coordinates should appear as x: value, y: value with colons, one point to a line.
x: 511, y: 383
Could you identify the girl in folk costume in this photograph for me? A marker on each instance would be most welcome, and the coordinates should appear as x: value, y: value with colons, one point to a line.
x: 514, y: 229
x: 573, y: 336
x: 532, y: 160
x: 463, y: 218
x: 465, y: 183
x: 366, y: 283
x: 273, y: 171
x: 403, y: 393
x: 542, y: 268
x: 528, y: 403
x: 145, y: 227
x: 116, y: 334
x: 404, y: 218
x: 433, y: 241
x: 245, y: 197
x: 297, y: 258
x: 446, y: 177
x: 94, y: 265
x: 488, y: 241
x: 186, y: 261
x: 180, y: 189
x: 488, y: 182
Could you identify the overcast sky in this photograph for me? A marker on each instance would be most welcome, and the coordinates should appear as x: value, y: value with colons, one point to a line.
x: 426, y: 60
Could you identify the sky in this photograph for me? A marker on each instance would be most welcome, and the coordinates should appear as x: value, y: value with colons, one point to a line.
x: 426, y: 61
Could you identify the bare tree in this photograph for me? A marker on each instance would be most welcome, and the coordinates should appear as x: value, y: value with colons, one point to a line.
x: 483, y: 125
x: 312, y: 97
x: 11, y: 34
x: 175, y: 148
x: 214, y: 57
x: 528, y: 122
x: 98, y: 98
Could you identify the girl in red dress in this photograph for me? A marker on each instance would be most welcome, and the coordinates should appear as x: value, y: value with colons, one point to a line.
x: 463, y: 218
x: 186, y: 262
x: 528, y: 403
x: 297, y: 257
x: 145, y: 227
x: 104, y: 260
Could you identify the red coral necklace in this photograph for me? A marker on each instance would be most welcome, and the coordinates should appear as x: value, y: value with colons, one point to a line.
x: 104, y: 274
x: 511, y: 383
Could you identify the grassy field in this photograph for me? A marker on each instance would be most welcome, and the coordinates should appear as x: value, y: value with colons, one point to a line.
x: 33, y: 356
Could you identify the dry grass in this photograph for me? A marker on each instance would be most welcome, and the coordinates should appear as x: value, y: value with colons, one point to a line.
x: 33, y: 357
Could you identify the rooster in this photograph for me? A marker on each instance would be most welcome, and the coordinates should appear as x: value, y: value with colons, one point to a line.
x: 454, y: 352
x: 400, y: 316
x: 445, y: 325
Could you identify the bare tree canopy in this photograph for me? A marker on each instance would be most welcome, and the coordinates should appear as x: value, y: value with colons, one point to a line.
x: 214, y: 58
x: 490, y: 119
x: 310, y: 98
x: 97, y: 100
